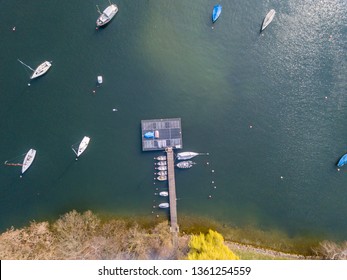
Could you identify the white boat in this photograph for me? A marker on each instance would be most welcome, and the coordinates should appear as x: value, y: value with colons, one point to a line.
x: 82, y: 146
x: 185, y: 164
x: 28, y: 160
x: 162, y: 178
x: 162, y: 173
x: 188, y: 155
x: 100, y: 80
x: 268, y: 18
x: 106, y: 15
x: 160, y: 158
x: 164, y: 205
x: 164, y: 194
x: 161, y: 167
x: 162, y: 162
x: 41, y: 69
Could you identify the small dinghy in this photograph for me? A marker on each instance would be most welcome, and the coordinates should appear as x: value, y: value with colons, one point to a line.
x: 162, y: 178
x: 164, y: 205
x: 164, y: 194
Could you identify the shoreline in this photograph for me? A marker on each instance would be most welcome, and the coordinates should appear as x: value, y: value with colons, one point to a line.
x: 248, y: 243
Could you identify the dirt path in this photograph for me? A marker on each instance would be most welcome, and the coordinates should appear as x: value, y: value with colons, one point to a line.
x: 262, y: 251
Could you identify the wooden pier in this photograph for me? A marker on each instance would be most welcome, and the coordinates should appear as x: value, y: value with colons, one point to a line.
x: 167, y: 136
x: 172, y: 196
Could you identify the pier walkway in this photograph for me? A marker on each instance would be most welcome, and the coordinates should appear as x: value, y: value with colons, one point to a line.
x: 172, y: 194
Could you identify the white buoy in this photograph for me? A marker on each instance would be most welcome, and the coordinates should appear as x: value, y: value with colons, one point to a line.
x: 28, y: 84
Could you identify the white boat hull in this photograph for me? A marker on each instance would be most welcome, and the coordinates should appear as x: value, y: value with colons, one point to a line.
x: 41, y: 69
x: 28, y: 160
x: 186, y: 155
x: 268, y: 18
x: 164, y: 205
x: 164, y: 194
x: 107, y: 15
x: 83, y: 145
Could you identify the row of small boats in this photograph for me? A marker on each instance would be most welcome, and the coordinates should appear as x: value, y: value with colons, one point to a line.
x: 30, y: 155
x: 217, y: 10
x: 162, y: 177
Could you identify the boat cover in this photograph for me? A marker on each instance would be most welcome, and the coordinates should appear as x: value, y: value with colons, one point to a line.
x: 149, y: 134
x: 216, y: 12
x: 342, y: 161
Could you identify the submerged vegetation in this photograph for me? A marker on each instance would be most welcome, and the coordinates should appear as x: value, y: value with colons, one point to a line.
x: 84, y: 236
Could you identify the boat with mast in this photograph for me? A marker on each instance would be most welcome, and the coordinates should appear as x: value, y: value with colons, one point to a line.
x: 268, y: 18
x: 82, y: 146
x: 40, y: 70
x: 106, y: 16
x: 185, y: 164
x: 27, y: 162
x: 188, y: 155
x: 161, y: 167
x: 160, y: 158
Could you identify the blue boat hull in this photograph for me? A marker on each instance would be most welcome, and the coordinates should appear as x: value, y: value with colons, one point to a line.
x: 216, y: 12
x: 342, y: 161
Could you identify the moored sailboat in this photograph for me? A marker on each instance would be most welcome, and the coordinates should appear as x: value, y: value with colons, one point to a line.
x: 185, y: 164
x: 82, y: 146
x: 106, y: 16
x: 217, y: 10
x: 268, y: 18
x: 161, y: 167
x: 40, y: 70
x: 342, y: 161
x: 27, y: 162
x: 160, y: 158
x: 188, y: 155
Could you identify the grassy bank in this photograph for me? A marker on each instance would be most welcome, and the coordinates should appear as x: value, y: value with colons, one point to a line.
x: 90, y: 236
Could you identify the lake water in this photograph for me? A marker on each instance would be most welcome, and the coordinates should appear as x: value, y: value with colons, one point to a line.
x: 270, y: 109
